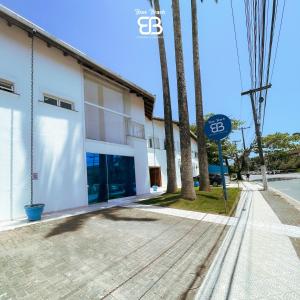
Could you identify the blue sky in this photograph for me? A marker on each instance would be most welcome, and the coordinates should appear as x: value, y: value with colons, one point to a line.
x: 107, y: 31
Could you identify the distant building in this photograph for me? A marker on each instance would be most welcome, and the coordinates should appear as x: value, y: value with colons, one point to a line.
x: 157, y: 159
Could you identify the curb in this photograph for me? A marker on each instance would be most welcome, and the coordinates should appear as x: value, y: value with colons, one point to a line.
x: 209, y: 282
x: 288, y: 198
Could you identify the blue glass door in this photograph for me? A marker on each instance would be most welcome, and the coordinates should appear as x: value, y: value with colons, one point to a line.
x: 97, y: 177
x: 121, y: 176
x: 110, y: 177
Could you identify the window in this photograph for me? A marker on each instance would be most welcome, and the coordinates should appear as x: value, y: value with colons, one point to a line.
x: 105, y: 113
x: 135, y: 129
x: 58, y: 102
x: 50, y: 101
x: 154, y: 143
x: 66, y: 105
x: 150, y: 143
x: 7, y: 86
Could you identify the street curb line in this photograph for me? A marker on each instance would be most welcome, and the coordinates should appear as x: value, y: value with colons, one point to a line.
x: 288, y: 198
x: 209, y: 282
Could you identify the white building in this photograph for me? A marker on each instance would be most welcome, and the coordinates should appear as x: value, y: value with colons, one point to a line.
x: 157, y: 160
x: 88, y: 125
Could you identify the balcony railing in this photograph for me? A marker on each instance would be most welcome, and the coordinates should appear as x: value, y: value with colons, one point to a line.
x: 135, y: 129
x: 103, y: 124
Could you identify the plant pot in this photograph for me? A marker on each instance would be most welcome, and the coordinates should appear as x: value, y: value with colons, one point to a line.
x: 34, y: 211
x: 154, y: 187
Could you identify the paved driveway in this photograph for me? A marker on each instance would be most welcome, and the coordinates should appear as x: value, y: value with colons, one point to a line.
x: 117, y: 253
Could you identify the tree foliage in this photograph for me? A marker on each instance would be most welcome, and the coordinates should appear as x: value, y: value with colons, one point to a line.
x: 282, y: 151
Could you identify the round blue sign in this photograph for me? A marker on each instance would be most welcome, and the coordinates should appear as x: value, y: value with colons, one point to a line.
x: 217, y: 127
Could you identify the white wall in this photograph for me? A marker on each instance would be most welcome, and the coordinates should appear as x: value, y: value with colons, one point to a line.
x: 14, y: 122
x: 59, y: 144
x: 136, y: 109
x: 59, y: 134
x: 157, y: 157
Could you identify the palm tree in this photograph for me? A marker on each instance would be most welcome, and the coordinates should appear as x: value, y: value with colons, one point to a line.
x: 202, y: 154
x: 169, y: 144
x: 187, y: 188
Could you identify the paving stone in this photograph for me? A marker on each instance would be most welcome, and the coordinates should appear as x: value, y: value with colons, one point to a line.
x: 286, y: 212
x: 124, y: 253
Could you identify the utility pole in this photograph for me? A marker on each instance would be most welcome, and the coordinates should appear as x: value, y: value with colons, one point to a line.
x: 258, y: 132
x: 236, y: 155
x: 245, y: 160
x: 242, y: 129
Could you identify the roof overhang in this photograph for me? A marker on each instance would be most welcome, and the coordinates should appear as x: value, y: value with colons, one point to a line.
x: 14, y: 19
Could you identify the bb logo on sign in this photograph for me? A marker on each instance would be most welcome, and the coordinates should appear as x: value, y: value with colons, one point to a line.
x: 149, y: 25
x: 217, y: 127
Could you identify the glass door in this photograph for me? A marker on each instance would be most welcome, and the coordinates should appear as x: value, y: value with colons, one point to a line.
x: 97, y: 177
x: 110, y: 177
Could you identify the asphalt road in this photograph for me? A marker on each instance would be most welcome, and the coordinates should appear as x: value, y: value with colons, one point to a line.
x: 288, y: 184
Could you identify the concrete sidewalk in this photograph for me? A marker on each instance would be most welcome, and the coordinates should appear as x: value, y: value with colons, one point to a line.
x: 255, y: 261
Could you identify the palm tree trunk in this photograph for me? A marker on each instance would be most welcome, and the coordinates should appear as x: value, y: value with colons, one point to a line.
x: 170, y: 152
x: 202, y: 154
x: 187, y: 184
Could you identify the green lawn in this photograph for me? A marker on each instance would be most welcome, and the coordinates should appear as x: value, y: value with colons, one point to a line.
x: 210, y: 202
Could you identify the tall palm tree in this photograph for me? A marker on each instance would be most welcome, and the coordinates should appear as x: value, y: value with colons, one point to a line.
x: 187, y: 188
x: 202, y: 154
x: 169, y: 144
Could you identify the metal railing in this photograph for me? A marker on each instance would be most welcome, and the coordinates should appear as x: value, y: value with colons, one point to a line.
x: 135, y: 129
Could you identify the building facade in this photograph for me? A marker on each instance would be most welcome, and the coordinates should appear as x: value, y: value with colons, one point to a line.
x: 157, y: 160
x: 88, y: 125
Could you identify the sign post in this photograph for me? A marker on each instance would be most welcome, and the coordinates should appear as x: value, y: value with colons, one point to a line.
x: 217, y: 128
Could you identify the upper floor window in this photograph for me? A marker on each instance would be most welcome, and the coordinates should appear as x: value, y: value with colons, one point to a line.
x: 7, y: 86
x: 106, y: 115
x: 135, y: 129
x: 153, y: 142
x: 58, y: 102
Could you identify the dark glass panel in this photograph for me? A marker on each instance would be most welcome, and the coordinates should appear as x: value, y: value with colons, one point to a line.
x: 66, y: 105
x: 121, y: 176
x: 97, y: 177
x: 49, y: 100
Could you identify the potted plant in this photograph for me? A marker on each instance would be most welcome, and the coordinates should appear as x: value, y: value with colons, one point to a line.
x: 33, y: 211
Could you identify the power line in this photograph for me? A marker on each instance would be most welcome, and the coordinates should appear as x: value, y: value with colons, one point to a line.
x: 236, y: 44
x: 275, y: 56
x: 274, y: 13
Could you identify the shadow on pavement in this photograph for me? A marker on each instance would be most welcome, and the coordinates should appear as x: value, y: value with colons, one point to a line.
x: 75, y: 223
